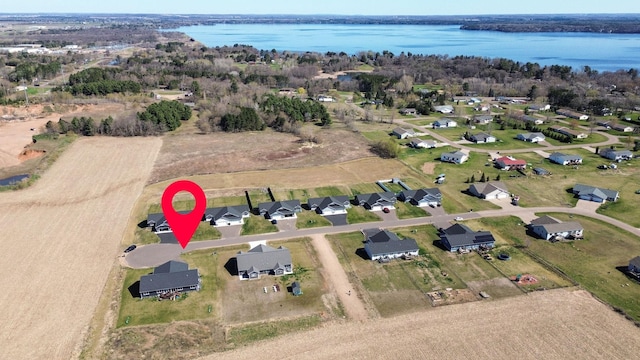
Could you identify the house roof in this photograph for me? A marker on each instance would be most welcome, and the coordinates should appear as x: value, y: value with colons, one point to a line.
x: 460, y: 235
x: 509, y: 161
x: 543, y: 220
x: 170, y: 275
x: 532, y: 135
x: 419, y: 194
x: 488, y: 187
x: 480, y: 118
x: 227, y: 212
x: 562, y: 226
x: 602, y: 193
x: 635, y: 262
x: 455, y: 154
x: 283, y: 207
x: 481, y: 136
x: 540, y: 171
x: 385, y: 242
x: 379, y: 198
x: 443, y: 121
x: 263, y: 257
x: 564, y: 157
x: 339, y: 201
x: 616, y: 153
x: 401, y: 131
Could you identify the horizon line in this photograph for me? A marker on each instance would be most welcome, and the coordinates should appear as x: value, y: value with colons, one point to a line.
x: 283, y: 14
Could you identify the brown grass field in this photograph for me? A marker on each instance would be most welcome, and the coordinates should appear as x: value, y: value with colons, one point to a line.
x: 60, y: 240
x: 557, y: 324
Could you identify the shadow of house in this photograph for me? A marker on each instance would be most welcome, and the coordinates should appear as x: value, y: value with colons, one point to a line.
x: 438, y: 243
x: 627, y: 273
x: 143, y: 224
x: 134, y: 289
x: 232, y: 266
x: 361, y: 252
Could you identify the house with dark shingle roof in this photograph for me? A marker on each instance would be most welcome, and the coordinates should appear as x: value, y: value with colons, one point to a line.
x: 383, y: 245
x: 330, y: 205
x: 459, y: 237
x: 550, y: 228
x: 402, y: 133
x: 277, y: 210
x: 158, y: 223
x: 483, y: 119
x: 489, y: 190
x: 377, y: 201
x: 531, y: 137
x: 227, y: 215
x: 422, y: 197
x: 172, y: 276
x: 634, y: 265
x: 264, y: 259
x: 482, y: 138
x: 595, y: 194
x: 444, y: 123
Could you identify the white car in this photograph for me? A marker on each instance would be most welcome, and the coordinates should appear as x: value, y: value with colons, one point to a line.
x: 458, y: 218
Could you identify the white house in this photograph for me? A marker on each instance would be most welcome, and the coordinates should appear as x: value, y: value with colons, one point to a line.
x: 565, y: 159
x: 424, y: 144
x: 444, y: 123
x: 456, y: 157
x: 616, y: 155
x: 482, y: 138
x: 444, y: 109
x: 550, y: 228
x: 490, y: 190
x: 531, y: 137
x: 403, y: 133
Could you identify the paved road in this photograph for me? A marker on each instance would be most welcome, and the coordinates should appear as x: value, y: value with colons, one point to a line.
x: 156, y: 254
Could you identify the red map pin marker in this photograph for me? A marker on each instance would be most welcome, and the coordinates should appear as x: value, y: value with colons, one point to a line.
x: 183, y: 225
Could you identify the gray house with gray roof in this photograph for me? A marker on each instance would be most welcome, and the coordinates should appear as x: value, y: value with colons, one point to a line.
x: 422, y: 197
x: 459, y: 237
x: 264, y: 259
x: 595, y: 194
x: 227, y: 215
x: 280, y: 209
x: 330, y: 205
x: 385, y: 245
x: 550, y: 228
x: 158, y: 223
x: 377, y: 201
x: 170, y: 277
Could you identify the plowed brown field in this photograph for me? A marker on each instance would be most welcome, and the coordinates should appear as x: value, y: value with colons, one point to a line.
x: 60, y: 239
x: 558, y: 324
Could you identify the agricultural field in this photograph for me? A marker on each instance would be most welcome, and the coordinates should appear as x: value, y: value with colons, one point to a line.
x: 81, y: 249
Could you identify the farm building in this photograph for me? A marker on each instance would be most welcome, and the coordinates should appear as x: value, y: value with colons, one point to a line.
x: 489, y: 190
x: 384, y: 245
x: 280, y: 209
x: 456, y: 157
x: 227, y: 215
x: 459, y: 237
x: 595, y: 194
x: 422, y: 197
x: 264, y: 260
x: 170, y: 277
x: 329, y: 205
x: 550, y: 228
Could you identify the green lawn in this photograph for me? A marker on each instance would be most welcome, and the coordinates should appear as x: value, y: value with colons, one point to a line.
x: 406, y: 211
x: 332, y: 191
x: 358, y: 214
x: 256, y: 224
x: 365, y: 188
x: 310, y: 219
x: 206, y: 232
x: 596, y: 261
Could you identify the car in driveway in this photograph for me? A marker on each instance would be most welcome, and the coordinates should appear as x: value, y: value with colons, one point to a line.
x: 458, y: 218
x: 130, y: 248
x: 386, y: 210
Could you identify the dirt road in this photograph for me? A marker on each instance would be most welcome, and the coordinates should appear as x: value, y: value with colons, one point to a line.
x: 338, y: 280
x: 60, y: 239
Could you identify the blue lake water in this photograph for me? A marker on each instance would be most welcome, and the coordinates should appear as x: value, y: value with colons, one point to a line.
x: 603, y: 52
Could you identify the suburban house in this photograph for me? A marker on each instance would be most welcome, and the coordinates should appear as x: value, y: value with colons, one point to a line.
x: 510, y: 163
x: 158, y: 223
x: 531, y: 119
x: 403, y: 133
x: 325, y: 98
x: 615, y: 126
x: 330, y: 205
x: 444, y: 109
x: 483, y: 119
x: 634, y: 265
x: 424, y: 144
x: 531, y: 137
x: 565, y: 159
x: 595, y: 194
x: 456, y: 157
x: 489, y: 190
x: 422, y: 197
x: 550, y: 228
x: 616, y: 155
x: 444, y: 123
x: 264, y: 259
x: 280, y: 209
x: 377, y: 201
x: 409, y: 111
x: 170, y: 277
x: 539, y: 107
x: 227, y: 215
x: 482, y: 138
x: 459, y: 237
x: 569, y: 132
x: 385, y: 245
x: 572, y: 114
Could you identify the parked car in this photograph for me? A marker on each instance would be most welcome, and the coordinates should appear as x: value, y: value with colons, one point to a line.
x: 386, y: 210
x: 130, y: 248
x: 274, y: 221
x: 459, y: 218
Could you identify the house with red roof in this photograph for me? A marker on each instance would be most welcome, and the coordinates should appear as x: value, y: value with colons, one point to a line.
x: 510, y: 163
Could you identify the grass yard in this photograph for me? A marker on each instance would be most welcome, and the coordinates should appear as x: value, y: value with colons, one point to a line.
x: 310, y: 219
x: 195, y: 305
x: 243, y: 335
x: 332, y: 191
x: 366, y: 188
x: 358, y: 214
x: 596, y: 262
x: 407, y: 211
x: 256, y: 224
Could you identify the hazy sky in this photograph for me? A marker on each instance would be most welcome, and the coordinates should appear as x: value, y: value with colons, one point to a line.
x: 348, y: 7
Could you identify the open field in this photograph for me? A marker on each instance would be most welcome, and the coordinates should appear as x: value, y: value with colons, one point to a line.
x: 524, y: 327
x: 61, y: 238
